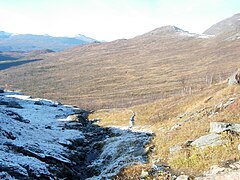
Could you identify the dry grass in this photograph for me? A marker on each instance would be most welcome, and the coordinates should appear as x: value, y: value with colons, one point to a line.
x: 162, y: 115
x: 125, y: 73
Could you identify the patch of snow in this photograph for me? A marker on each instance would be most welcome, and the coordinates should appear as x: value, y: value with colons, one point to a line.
x: 34, y: 137
x: 124, y: 149
x: 25, y: 146
x: 200, y: 36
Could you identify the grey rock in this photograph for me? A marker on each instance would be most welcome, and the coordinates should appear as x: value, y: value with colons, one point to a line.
x: 234, y: 78
x: 183, y: 177
x: 14, y: 104
x: 218, y: 127
x: 174, y: 149
x: 5, y: 103
x: 78, y: 117
x: 16, y: 116
x: 5, y: 175
x: 1, y: 90
x: 208, y: 140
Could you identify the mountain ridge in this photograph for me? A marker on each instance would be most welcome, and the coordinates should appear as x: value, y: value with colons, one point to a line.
x: 29, y: 42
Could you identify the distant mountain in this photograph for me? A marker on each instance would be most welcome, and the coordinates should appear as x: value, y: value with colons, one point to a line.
x: 29, y: 42
x: 228, y: 29
x: 85, y: 38
x: 4, y: 35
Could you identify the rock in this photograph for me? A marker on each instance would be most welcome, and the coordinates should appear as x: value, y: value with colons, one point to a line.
x: 218, y: 127
x: 181, y: 115
x: 7, y: 134
x: 38, y: 103
x: 144, y: 174
x: 78, y: 117
x: 220, y: 173
x: 183, y: 177
x: 234, y: 78
x: 78, y: 110
x: 229, y: 102
x: 5, y: 103
x: 5, y: 175
x: 14, y: 104
x: 16, y: 116
x: 208, y: 140
x: 239, y: 147
x: 1, y: 90
x: 176, y: 148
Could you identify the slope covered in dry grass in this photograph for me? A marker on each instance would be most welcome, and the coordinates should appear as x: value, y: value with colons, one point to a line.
x: 158, y: 64
x: 161, y: 116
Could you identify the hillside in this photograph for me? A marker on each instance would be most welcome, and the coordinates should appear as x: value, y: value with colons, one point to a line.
x: 164, y: 62
x: 228, y: 29
x: 196, y: 136
x: 29, y: 42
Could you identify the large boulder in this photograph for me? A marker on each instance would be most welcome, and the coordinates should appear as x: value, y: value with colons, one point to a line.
x: 218, y: 127
x: 208, y: 140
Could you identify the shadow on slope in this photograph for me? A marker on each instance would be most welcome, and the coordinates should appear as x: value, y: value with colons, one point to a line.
x: 8, y: 64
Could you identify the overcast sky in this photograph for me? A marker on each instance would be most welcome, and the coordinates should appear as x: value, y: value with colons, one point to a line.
x: 111, y: 19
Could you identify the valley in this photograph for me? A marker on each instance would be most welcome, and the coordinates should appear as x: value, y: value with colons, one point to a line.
x: 187, y: 110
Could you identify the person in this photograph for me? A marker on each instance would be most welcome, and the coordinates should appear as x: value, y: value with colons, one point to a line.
x: 132, y: 120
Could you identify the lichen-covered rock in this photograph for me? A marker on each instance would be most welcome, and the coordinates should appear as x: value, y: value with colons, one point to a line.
x: 183, y: 177
x: 222, y: 173
x: 218, y: 127
x: 208, y: 140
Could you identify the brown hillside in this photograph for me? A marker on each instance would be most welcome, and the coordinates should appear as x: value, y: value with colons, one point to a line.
x: 158, y: 64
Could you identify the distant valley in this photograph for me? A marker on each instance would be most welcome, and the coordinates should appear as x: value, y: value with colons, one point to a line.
x: 165, y: 62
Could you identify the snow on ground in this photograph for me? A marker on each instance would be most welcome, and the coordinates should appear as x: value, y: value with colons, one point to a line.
x: 42, y: 136
x: 199, y: 36
x: 35, y: 136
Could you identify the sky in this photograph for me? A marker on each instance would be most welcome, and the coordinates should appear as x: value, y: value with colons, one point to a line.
x: 111, y: 19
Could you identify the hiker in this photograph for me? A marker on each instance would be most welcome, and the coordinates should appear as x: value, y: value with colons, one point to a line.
x: 132, y: 120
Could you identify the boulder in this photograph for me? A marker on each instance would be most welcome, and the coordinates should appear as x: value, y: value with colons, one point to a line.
x: 218, y: 127
x: 208, y: 140
x: 1, y: 90
x: 77, y: 117
x: 234, y: 78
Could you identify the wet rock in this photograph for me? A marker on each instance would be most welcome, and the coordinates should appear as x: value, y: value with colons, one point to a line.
x: 218, y: 127
x: 40, y: 103
x: 5, y: 103
x: 5, y: 175
x: 14, y: 104
x: 16, y: 116
x: 7, y: 134
x: 1, y: 90
x: 208, y: 140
